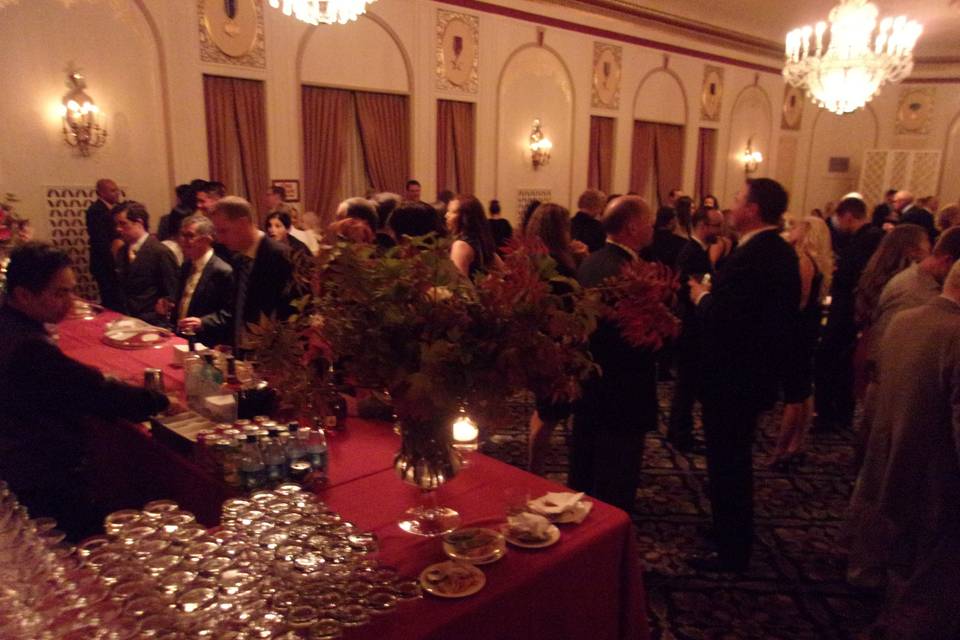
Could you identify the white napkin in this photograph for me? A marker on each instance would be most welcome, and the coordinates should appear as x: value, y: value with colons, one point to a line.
x: 562, y: 506
x: 529, y: 525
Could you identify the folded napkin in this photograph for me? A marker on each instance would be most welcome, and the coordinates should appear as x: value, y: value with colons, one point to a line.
x: 529, y: 526
x: 562, y: 506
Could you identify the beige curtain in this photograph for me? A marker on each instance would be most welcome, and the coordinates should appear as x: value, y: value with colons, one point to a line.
x: 237, y: 135
x: 456, y: 146
x: 658, y: 154
x: 669, y: 163
x: 642, y: 155
x: 384, y: 123
x: 706, y: 156
x: 326, y: 113
x: 600, y: 161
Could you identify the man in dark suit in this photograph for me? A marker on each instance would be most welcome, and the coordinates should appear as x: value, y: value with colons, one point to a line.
x: 883, y: 211
x: 204, y: 295
x: 262, y: 269
x: 667, y: 245
x: 693, y: 261
x: 618, y: 406
x: 834, y: 375
x: 585, y: 226
x: 44, y: 395
x: 147, y: 269
x: 104, y: 241
x: 746, y: 314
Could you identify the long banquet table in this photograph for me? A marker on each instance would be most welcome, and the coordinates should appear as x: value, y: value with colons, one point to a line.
x: 588, y: 585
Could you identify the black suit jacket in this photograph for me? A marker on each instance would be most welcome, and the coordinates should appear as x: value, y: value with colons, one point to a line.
x: 748, y: 318
x: 624, y: 396
x: 211, y: 302
x: 151, y: 276
x: 588, y: 230
x: 852, y: 259
x: 921, y: 217
x: 692, y: 261
x: 269, y: 284
x: 666, y: 247
x: 102, y: 232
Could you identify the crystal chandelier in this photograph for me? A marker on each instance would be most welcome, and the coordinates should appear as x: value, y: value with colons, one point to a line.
x: 323, y: 11
x: 843, y: 66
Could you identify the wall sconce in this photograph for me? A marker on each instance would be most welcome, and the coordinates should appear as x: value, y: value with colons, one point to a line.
x: 540, y: 146
x: 81, y: 116
x: 751, y: 158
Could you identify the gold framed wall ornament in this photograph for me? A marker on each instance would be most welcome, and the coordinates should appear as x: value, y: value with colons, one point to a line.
x: 711, y: 93
x: 231, y: 32
x: 607, y: 71
x: 457, y: 51
x: 915, y: 111
x: 792, y: 110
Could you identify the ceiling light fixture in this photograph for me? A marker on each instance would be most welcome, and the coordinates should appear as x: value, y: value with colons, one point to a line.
x: 843, y: 65
x: 323, y: 11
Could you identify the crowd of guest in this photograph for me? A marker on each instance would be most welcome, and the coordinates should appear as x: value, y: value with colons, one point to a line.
x: 820, y: 312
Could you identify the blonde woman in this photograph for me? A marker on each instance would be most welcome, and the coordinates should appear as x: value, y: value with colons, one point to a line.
x: 810, y: 238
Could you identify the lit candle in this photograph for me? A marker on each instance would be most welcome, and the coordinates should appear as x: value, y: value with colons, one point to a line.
x: 821, y: 27
x: 465, y: 433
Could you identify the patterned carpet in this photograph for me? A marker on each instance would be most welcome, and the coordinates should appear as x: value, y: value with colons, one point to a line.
x: 794, y: 589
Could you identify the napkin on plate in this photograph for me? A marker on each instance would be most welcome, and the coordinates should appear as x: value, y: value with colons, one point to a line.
x: 529, y: 525
x: 556, y: 502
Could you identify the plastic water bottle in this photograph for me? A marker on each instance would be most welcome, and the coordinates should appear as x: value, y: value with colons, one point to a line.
x: 274, y: 458
x: 296, y: 451
x: 253, y: 473
x: 317, y: 452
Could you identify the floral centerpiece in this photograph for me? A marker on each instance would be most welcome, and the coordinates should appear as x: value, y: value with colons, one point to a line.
x: 408, y: 322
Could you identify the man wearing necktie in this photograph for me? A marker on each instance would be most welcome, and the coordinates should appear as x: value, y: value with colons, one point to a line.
x: 203, y: 306
x: 147, y: 269
x: 262, y: 268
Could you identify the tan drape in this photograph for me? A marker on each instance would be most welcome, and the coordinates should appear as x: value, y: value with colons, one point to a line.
x: 600, y: 160
x: 658, y: 153
x: 237, y: 134
x: 325, y: 118
x: 384, y: 123
x: 456, y: 146
x: 706, y: 156
x: 669, y: 164
x: 642, y: 155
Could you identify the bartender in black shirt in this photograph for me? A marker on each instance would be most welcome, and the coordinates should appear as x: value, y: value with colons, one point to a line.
x: 44, y: 394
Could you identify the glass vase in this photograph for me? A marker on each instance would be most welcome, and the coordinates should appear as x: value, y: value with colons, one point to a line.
x: 427, y: 460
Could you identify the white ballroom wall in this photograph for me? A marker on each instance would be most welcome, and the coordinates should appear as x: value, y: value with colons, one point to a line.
x: 151, y: 90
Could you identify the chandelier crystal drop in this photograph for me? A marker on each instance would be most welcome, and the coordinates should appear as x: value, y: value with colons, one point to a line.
x: 843, y: 65
x: 323, y: 11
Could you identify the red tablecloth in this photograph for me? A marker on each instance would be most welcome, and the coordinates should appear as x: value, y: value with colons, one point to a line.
x: 588, y: 585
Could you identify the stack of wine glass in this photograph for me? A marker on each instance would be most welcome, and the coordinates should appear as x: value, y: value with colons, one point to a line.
x: 280, y: 565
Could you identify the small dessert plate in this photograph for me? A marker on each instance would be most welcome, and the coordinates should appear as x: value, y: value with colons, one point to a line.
x: 553, y: 534
x: 452, y: 579
x: 476, y: 545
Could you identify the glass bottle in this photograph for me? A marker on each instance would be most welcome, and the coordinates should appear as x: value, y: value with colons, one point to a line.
x: 253, y: 472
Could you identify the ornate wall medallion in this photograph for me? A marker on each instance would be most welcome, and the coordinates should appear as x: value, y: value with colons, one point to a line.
x: 458, y: 51
x: 711, y: 93
x: 607, y: 69
x: 792, y: 110
x: 915, y: 111
x: 231, y: 32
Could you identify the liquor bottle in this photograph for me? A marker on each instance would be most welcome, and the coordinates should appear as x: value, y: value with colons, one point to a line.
x: 317, y: 452
x: 275, y: 458
x: 295, y: 444
x: 192, y: 366
x: 253, y: 473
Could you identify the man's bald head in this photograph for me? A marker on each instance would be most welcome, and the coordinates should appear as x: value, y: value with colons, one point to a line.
x: 902, y: 200
x: 628, y: 220
x: 108, y: 191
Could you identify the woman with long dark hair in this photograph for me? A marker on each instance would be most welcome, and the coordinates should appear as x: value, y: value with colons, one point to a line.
x: 473, y: 250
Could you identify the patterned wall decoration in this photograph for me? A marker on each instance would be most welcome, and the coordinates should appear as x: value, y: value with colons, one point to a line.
x: 457, y: 51
x: 917, y: 171
x: 526, y: 196
x: 607, y: 68
x: 67, y: 207
x: 915, y: 110
x: 231, y: 32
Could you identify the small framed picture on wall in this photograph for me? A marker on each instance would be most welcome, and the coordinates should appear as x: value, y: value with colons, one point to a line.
x: 291, y: 189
